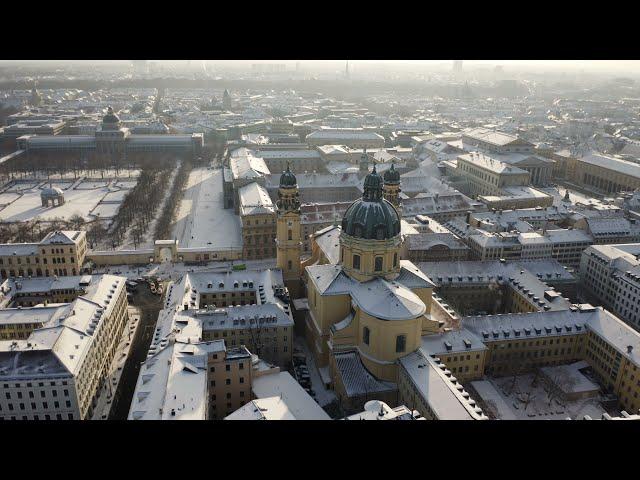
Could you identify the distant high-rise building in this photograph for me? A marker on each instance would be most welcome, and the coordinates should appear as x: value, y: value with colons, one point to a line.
x: 346, y: 72
x: 457, y: 66
x: 226, y: 100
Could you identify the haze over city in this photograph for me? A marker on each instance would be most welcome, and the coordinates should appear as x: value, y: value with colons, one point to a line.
x: 319, y: 240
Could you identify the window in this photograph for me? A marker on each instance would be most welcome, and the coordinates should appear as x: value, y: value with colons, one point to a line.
x: 401, y: 343
x: 378, y: 264
x: 289, y: 235
x: 365, y: 335
x: 395, y: 259
x: 356, y: 261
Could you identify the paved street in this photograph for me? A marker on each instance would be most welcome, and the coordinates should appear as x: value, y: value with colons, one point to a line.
x: 105, y: 397
x: 149, y: 305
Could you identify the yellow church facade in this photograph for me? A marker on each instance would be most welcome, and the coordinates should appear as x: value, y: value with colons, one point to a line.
x: 366, y: 306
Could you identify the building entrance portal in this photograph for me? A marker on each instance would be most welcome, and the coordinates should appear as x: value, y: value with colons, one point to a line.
x: 166, y: 250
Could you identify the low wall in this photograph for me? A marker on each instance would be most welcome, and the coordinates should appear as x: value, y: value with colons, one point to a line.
x: 121, y: 257
x: 146, y: 256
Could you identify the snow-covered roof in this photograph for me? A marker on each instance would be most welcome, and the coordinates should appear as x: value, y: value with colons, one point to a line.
x: 283, y: 398
x: 378, y: 410
x: 487, y: 162
x: 244, y: 316
x: 270, y: 408
x: 426, y: 241
x: 344, y: 134
x: 454, y: 341
x: 247, y: 166
x: 66, y: 337
x: 255, y: 200
x: 328, y: 240
x: 356, y: 378
x: 434, y: 383
x: 380, y: 298
x: 614, y: 227
x: 491, y: 136
x: 616, y: 164
x: 22, y: 249
x: 66, y: 237
x: 288, y: 154
x: 172, y: 383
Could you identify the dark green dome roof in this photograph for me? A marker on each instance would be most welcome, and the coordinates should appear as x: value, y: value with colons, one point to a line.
x: 392, y: 175
x: 371, y: 217
x: 288, y: 179
x: 110, y: 117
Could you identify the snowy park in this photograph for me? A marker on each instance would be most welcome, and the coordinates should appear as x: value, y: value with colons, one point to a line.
x: 88, y: 198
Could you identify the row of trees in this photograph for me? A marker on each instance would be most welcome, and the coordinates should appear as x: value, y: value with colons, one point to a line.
x: 139, y: 206
x: 34, y: 230
x: 81, y: 163
x: 167, y: 217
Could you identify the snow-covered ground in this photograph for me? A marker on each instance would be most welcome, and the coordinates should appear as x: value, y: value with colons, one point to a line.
x: 202, y: 221
x: 29, y: 205
x: 324, y: 396
x: 81, y: 198
x: 510, y: 404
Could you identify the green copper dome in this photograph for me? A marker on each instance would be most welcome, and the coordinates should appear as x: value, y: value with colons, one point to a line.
x: 392, y: 175
x: 371, y: 217
x: 288, y: 179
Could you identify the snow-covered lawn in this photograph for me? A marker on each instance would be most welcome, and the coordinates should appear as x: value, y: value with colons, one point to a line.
x: 29, y: 206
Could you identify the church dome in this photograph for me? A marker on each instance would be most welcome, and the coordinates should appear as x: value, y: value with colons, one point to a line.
x: 288, y: 179
x: 371, y: 217
x: 392, y: 175
x: 110, y: 117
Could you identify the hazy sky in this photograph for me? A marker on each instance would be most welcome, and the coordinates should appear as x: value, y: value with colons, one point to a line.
x: 613, y: 66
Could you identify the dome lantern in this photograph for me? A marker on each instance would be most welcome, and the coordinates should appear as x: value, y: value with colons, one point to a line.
x: 371, y: 217
x: 392, y: 176
x: 288, y: 179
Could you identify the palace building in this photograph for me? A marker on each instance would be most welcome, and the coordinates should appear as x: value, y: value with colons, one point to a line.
x: 112, y: 137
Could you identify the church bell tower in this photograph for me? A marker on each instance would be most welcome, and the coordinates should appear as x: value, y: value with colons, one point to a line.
x: 288, y: 232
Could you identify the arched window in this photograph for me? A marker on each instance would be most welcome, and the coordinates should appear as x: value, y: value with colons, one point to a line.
x: 356, y: 261
x: 378, y: 264
x: 289, y: 235
x: 365, y: 335
x: 395, y: 259
x: 401, y: 343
